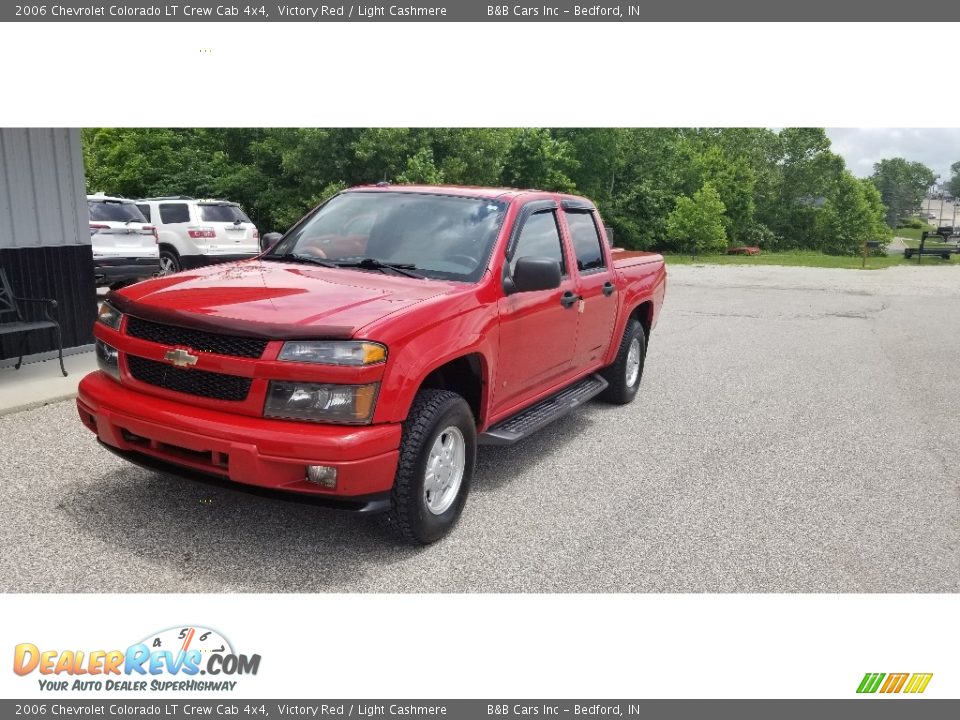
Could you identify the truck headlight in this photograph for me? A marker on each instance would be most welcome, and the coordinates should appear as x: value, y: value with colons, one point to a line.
x: 109, y: 316
x: 320, y: 402
x: 333, y: 352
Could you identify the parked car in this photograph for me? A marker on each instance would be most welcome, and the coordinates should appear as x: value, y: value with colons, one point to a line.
x: 194, y: 233
x: 365, y: 356
x: 124, y: 244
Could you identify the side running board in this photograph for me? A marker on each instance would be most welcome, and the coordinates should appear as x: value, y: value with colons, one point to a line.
x: 528, y: 421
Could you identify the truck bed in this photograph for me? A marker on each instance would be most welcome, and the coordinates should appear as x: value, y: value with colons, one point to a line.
x: 628, y: 258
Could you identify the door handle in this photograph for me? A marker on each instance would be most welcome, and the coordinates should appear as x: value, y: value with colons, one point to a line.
x: 608, y: 288
x: 568, y: 299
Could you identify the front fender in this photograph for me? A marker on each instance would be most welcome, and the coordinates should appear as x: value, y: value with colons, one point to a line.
x: 471, y: 333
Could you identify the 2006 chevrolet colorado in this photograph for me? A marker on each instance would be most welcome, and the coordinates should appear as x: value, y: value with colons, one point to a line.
x: 364, y: 356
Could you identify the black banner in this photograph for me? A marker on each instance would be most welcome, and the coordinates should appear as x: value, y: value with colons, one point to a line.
x: 472, y: 11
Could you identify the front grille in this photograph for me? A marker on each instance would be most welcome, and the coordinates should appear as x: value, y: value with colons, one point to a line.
x: 192, y: 382
x: 196, y: 339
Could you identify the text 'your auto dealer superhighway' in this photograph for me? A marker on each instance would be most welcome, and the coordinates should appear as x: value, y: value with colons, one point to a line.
x: 252, y: 10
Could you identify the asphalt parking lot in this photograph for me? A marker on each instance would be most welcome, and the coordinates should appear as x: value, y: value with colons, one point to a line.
x: 797, y: 431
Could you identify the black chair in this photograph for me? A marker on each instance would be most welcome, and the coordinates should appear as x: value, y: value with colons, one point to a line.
x: 11, y: 305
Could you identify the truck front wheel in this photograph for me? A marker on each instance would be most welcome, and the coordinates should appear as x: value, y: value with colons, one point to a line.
x: 623, y: 376
x: 438, y: 451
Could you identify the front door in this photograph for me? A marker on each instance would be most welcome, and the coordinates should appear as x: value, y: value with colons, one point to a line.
x: 538, y: 329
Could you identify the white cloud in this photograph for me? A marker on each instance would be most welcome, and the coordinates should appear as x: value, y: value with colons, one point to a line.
x: 937, y: 148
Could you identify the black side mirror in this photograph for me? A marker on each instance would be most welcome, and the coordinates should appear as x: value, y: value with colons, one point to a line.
x: 269, y: 240
x: 534, y: 273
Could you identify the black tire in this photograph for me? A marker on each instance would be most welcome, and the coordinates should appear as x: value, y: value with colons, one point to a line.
x: 618, y: 391
x: 432, y: 413
x: 171, y: 257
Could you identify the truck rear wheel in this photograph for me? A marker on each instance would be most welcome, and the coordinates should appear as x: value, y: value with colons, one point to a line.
x: 623, y: 376
x: 438, y: 451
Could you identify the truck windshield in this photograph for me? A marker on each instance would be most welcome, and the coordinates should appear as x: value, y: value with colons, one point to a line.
x: 439, y: 236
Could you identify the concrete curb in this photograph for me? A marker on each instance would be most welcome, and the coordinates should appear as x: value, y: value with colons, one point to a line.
x: 37, y: 404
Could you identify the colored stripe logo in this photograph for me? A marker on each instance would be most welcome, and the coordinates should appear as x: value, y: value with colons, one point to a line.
x: 914, y: 683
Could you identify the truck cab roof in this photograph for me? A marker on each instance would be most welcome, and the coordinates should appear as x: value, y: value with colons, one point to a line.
x: 490, y: 193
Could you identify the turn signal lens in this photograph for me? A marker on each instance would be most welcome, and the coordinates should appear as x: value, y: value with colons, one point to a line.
x: 333, y: 352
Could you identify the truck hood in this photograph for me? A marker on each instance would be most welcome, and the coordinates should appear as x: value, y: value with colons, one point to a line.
x: 275, y: 300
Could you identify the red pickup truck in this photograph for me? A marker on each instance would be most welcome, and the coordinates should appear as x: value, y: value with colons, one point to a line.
x: 364, y: 356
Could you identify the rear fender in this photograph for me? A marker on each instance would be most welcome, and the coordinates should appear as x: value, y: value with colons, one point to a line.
x: 642, y: 283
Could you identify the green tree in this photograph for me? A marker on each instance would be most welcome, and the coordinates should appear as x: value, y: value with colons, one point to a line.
x: 773, y: 185
x: 697, y: 224
x: 902, y: 185
x: 539, y: 160
x: 853, y: 215
x: 650, y: 173
x: 734, y: 181
x: 953, y: 186
x: 808, y: 171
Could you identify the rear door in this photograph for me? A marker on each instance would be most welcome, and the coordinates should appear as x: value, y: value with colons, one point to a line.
x: 234, y: 233
x: 119, y: 229
x: 595, y: 284
x: 537, y: 331
x: 174, y: 227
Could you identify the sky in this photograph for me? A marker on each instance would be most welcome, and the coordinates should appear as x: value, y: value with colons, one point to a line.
x: 937, y: 148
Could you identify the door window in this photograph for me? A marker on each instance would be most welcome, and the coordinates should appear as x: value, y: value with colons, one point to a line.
x: 586, y: 241
x: 539, y: 237
x: 174, y: 213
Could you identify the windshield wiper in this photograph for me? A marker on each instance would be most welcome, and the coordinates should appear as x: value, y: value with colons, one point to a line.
x: 296, y: 257
x: 374, y: 264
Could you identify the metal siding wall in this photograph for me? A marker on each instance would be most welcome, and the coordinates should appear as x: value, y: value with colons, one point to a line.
x: 42, y: 188
x: 6, y: 213
x: 75, y: 186
x: 44, y: 233
x: 16, y: 163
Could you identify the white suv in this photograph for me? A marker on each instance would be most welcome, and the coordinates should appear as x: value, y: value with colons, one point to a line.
x: 124, y: 245
x: 199, y: 232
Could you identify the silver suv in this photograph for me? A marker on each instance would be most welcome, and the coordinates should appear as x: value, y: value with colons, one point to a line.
x: 194, y: 232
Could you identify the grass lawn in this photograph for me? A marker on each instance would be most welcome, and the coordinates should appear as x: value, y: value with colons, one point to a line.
x: 911, y: 237
x: 911, y: 243
x: 913, y: 233
x: 800, y: 258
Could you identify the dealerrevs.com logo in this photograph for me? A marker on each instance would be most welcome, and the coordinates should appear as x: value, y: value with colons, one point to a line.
x: 178, y: 659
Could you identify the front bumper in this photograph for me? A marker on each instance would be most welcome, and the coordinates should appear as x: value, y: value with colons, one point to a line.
x: 270, y: 454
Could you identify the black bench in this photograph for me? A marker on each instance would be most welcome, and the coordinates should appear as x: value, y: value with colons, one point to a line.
x: 13, y: 319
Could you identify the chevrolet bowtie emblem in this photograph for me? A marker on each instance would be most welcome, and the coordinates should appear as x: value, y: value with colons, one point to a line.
x: 180, y: 357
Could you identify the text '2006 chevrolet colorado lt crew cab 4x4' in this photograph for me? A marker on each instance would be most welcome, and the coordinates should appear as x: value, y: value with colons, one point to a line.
x: 364, y: 356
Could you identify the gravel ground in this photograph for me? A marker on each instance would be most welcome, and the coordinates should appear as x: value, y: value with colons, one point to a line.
x: 797, y: 431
